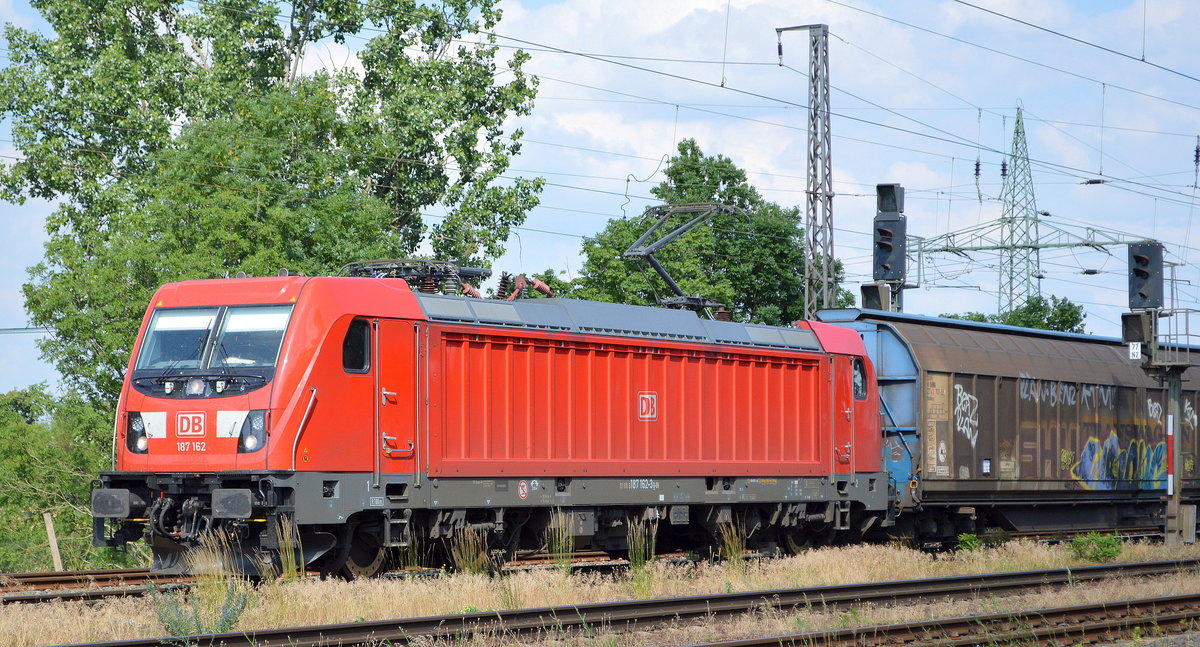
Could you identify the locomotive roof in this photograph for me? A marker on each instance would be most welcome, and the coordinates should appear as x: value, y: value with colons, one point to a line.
x: 572, y: 315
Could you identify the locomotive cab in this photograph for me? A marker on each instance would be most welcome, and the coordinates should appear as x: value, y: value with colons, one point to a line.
x: 196, y: 362
x: 207, y: 425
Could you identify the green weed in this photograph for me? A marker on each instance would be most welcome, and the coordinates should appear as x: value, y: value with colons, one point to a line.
x: 1096, y: 547
x: 968, y: 541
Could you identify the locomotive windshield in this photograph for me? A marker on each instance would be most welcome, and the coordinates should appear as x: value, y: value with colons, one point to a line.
x: 203, y: 339
x: 176, y: 338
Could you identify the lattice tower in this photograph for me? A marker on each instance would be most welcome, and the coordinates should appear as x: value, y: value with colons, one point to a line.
x: 1020, y: 258
x: 820, y: 286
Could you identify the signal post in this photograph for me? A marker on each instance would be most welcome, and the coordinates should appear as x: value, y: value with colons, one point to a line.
x: 1165, y: 361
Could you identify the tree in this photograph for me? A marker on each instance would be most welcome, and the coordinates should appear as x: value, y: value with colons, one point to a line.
x: 49, y: 453
x: 752, y: 261
x: 1036, y: 312
x: 184, y: 142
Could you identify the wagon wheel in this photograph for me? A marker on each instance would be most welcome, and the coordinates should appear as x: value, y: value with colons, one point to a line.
x: 366, y: 557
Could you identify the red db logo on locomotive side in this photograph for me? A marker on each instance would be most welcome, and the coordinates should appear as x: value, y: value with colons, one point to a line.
x: 189, y: 423
x: 647, y: 405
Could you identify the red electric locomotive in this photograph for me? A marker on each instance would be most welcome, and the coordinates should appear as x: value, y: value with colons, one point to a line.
x: 375, y: 417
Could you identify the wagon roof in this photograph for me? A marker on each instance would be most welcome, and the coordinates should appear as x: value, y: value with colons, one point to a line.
x: 956, y: 346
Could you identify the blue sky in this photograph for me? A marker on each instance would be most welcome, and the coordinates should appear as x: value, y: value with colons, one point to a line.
x: 602, y: 125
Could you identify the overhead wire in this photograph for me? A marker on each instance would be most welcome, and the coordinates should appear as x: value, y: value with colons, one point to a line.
x: 798, y: 105
x: 1080, y: 40
x: 962, y: 141
x: 1077, y: 75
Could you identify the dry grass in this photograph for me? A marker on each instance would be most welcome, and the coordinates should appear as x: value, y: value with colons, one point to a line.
x: 469, y: 551
x: 314, y: 602
x: 560, y: 543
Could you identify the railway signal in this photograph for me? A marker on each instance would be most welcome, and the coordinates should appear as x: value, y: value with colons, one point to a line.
x: 890, y: 233
x: 890, y: 250
x: 1145, y: 275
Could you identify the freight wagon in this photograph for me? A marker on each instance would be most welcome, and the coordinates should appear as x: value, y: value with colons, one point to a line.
x: 1026, y: 431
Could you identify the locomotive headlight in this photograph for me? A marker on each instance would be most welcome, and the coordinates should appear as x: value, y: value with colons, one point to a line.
x: 194, y: 386
x: 135, y: 436
x: 254, y: 432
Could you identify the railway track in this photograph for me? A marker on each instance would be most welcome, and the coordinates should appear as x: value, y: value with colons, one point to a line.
x: 644, y: 614
x: 90, y: 586
x: 81, y: 585
x: 1082, y: 624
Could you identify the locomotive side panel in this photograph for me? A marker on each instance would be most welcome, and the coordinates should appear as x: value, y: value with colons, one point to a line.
x: 570, y: 405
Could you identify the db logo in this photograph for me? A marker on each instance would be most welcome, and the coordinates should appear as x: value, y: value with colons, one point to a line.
x: 647, y: 405
x: 189, y: 423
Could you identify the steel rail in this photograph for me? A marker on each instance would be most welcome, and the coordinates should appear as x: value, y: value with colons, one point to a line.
x: 1103, y: 621
x: 20, y: 588
x: 648, y: 613
x: 53, y: 578
x: 90, y: 595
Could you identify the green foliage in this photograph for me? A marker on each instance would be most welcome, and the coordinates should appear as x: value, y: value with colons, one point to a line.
x: 1038, y: 312
x: 753, y: 261
x: 181, y: 613
x: 182, y: 141
x: 1095, y: 547
x: 49, y: 453
x: 968, y: 542
x: 850, y: 618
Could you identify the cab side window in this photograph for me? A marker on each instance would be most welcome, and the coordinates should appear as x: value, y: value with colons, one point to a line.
x: 356, y: 347
x: 860, y: 379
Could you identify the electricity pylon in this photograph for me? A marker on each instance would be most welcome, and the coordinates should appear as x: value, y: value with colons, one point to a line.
x: 1019, y: 234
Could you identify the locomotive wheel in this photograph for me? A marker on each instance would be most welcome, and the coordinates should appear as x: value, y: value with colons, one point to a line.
x: 794, y: 540
x: 366, y: 558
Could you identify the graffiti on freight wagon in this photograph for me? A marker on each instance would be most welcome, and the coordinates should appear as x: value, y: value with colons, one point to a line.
x: 1106, y: 465
x: 1055, y: 393
x: 966, y: 413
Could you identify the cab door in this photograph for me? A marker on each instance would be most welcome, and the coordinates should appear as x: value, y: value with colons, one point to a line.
x: 399, y: 397
x: 843, y: 415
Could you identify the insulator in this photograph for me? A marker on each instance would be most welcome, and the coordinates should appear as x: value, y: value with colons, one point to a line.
x: 505, y: 285
x: 1196, y: 157
x: 977, y: 167
x: 429, y: 285
x: 538, y: 285
x: 1003, y: 169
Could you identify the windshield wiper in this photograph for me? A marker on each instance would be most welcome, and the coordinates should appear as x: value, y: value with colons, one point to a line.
x: 203, y: 343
